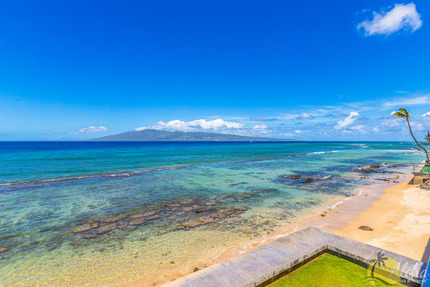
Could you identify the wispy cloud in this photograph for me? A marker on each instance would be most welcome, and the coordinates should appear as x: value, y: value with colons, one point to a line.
x: 90, y: 129
x: 261, y: 129
x: 201, y: 124
x: 263, y: 119
x: 402, y: 16
x: 349, y: 120
x: 420, y: 100
x: 356, y: 120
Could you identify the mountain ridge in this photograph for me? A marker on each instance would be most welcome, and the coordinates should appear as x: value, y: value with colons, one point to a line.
x: 157, y: 135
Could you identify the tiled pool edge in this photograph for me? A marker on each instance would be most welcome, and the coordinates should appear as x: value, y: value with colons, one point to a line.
x: 261, y: 265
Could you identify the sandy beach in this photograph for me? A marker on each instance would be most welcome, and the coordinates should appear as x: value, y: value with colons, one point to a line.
x: 396, y: 211
x: 400, y: 219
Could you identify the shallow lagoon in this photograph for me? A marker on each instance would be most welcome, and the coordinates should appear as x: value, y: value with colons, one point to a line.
x: 189, y: 202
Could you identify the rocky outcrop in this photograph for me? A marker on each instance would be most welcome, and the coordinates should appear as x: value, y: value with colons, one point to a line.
x: 425, y: 185
x: 184, y: 214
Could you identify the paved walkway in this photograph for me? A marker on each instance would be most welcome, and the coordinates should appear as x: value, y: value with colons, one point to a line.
x: 258, y: 266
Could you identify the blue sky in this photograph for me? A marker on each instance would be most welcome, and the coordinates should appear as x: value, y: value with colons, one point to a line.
x: 308, y: 70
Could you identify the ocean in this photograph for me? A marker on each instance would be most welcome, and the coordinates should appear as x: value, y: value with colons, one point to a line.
x: 110, y: 213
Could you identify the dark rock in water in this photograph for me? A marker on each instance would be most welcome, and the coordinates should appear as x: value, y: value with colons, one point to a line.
x: 375, y: 166
x: 241, y: 208
x: 106, y: 228
x: 122, y: 225
x: 187, y: 208
x: 136, y: 215
x: 113, y: 219
x: 164, y: 231
x: 88, y: 236
x: 306, y: 179
x: 366, y: 228
x: 174, y: 204
x: 82, y: 228
x: 150, y: 213
x: 293, y: 176
x: 200, y: 210
x: 137, y: 221
x: 367, y: 169
x: 143, y: 220
x: 243, y: 196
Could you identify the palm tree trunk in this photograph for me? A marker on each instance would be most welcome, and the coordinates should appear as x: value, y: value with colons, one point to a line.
x: 373, y: 269
x: 427, y: 154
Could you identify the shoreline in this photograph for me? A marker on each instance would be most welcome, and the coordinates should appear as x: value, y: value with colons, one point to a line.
x: 343, y: 217
x: 339, y: 216
x: 338, y: 213
x: 400, y: 219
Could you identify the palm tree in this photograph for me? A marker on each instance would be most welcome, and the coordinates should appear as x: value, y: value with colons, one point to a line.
x: 380, y: 259
x: 403, y: 114
x: 427, y: 137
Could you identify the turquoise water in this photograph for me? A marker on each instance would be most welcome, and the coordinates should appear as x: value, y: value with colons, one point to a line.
x: 103, y: 214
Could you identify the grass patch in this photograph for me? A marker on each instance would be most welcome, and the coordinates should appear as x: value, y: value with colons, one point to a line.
x: 329, y: 271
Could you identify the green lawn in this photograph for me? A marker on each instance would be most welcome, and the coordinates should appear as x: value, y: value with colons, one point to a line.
x: 329, y: 271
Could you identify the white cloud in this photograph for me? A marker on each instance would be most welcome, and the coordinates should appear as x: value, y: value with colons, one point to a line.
x: 402, y: 16
x: 426, y: 115
x: 349, y: 120
x: 376, y: 129
x: 91, y: 129
x: 306, y: 116
x: 298, y: 131
x: 422, y: 100
x: 200, y: 124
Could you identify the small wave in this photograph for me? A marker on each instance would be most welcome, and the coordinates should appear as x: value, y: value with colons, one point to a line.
x: 339, y: 202
x: 360, y: 146
x: 404, y: 151
x: 322, y: 152
x: 91, y: 176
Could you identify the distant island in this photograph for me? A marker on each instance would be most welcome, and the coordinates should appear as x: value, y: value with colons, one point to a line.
x: 156, y: 135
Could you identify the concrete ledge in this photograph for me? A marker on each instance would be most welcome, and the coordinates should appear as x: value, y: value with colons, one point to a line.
x: 267, y: 263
